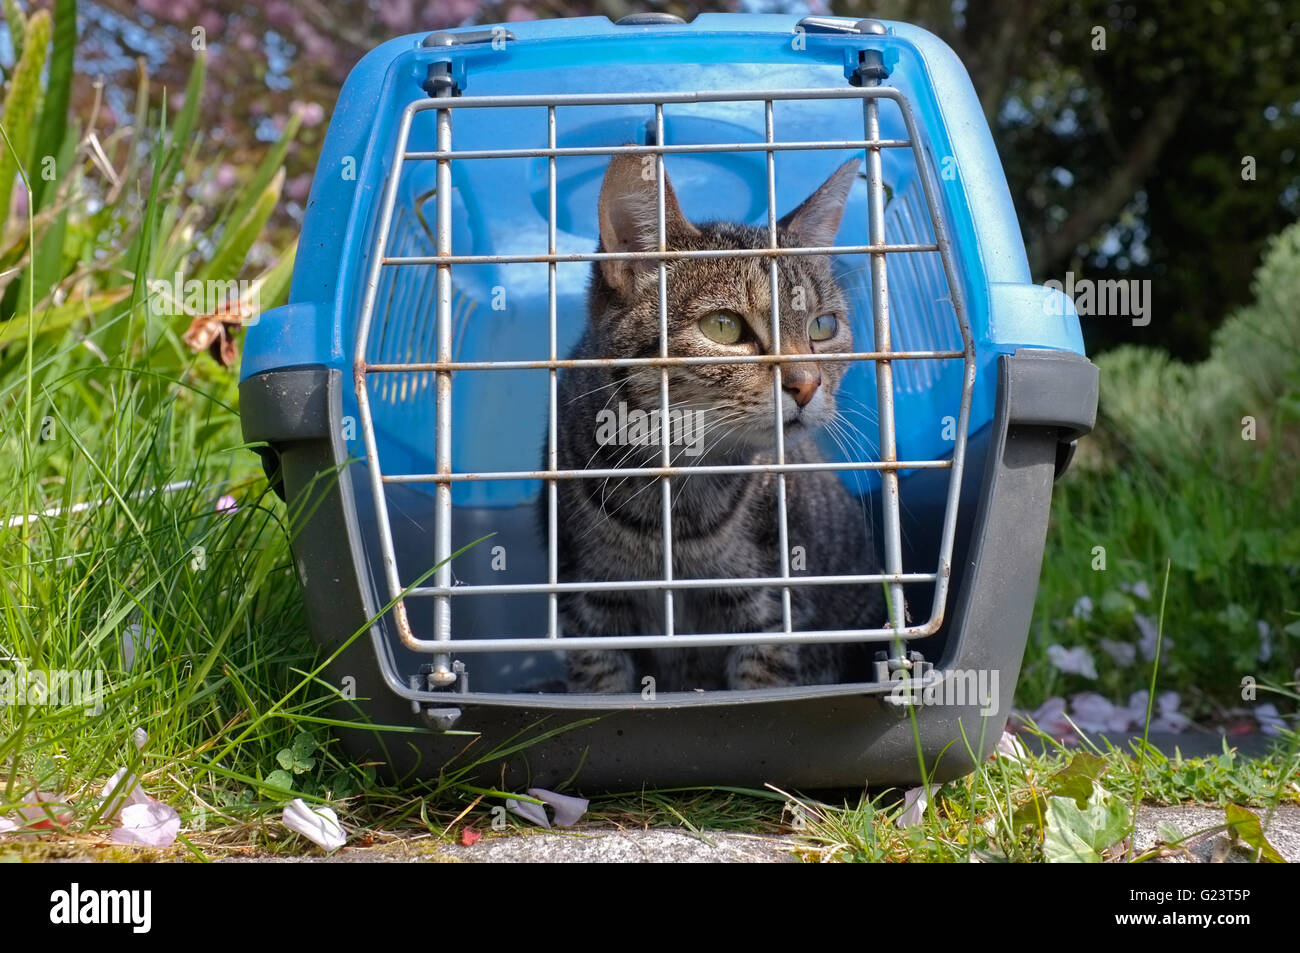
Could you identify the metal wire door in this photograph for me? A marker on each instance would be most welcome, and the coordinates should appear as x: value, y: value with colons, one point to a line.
x: 443, y: 643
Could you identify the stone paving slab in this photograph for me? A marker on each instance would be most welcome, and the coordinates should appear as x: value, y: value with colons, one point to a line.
x: 1283, y: 833
x: 659, y: 845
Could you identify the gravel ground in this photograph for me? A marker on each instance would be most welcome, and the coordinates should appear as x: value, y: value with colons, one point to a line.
x: 586, y: 845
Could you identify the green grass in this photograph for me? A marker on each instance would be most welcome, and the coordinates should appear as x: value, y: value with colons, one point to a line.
x: 998, y: 813
x: 1168, y: 476
x: 100, y: 400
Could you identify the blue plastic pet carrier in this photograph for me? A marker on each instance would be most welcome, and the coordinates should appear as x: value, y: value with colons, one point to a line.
x: 404, y: 400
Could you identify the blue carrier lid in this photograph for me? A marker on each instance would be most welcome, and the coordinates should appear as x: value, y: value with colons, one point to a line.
x: 500, y: 208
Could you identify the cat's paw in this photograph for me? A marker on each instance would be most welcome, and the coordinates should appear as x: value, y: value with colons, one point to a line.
x: 600, y: 673
x: 763, y: 666
x: 784, y: 665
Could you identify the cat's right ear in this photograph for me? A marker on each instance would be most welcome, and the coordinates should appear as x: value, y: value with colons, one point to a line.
x: 815, y: 222
x: 629, y: 221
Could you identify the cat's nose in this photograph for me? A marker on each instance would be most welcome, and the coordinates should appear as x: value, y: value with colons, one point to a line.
x: 801, y: 386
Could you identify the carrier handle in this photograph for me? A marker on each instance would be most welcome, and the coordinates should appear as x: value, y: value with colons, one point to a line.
x: 839, y: 25
x: 1053, y: 388
x: 466, y: 38
x: 649, y: 19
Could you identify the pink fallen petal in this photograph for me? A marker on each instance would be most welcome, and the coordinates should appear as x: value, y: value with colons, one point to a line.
x: 1139, y: 589
x: 148, y: 825
x: 1092, y: 712
x: 915, y: 802
x: 1270, y: 722
x: 529, y: 812
x: 40, y: 812
x: 1137, y: 707
x: 1150, y: 631
x: 1119, y: 720
x: 123, y: 794
x: 568, y: 810
x: 1122, y: 654
x: 1170, y: 723
x: 1168, y: 718
x: 6, y: 825
x: 319, y: 825
x: 1075, y: 661
x: 136, y: 643
x: 1050, y: 718
x: 1265, y: 640
x: 1009, y: 746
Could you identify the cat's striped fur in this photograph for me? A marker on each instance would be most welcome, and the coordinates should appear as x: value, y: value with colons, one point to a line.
x: 722, y: 525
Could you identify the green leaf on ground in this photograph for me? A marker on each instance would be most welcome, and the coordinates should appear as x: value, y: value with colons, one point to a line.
x: 279, y: 780
x: 1079, y: 834
x: 1245, y: 825
x: 1168, y: 833
x: 1076, y: 779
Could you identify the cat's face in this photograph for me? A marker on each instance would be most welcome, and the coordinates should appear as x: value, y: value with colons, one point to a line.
x: 723, y: 308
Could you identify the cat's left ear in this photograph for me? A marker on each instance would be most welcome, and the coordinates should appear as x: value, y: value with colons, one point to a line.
x: 815, y: 222
x: 629, y: 220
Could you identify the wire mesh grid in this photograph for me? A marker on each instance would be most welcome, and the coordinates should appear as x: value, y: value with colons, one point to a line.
x: 883, y: 355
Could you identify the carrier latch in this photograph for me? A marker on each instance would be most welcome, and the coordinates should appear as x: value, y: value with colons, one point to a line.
x: 443, y: 719
x: 439, y: 81
x: 913, y: 662
x: 911, y: 673
x: 459, y: 678
x: 871, y: 69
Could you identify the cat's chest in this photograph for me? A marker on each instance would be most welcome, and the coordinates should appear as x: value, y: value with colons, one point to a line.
x: 713, y: 535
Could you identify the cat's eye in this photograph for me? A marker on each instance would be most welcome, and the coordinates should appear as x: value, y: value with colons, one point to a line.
x: 724, y: 327
x: 823, y: 328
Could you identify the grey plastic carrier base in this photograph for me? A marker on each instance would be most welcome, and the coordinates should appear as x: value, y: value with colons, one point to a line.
x: 809, y: 737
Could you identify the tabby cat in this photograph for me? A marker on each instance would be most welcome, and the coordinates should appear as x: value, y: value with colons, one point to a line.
x: 722, y: 525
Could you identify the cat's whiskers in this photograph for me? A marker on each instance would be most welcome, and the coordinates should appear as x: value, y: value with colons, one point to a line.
x: 677, y: 497
x: 604, y: 406
x: 868, y: 411
x: 618, y: 464
x: 653, y: 448
x: 873, y: 454
x: 842, y: 432
x: 651, y: 481
x: 616, y: 384
x: 862, y: 439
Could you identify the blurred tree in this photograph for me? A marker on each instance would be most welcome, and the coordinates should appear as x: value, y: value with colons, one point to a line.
x: 1128, y: 132
x: 1123, y: 127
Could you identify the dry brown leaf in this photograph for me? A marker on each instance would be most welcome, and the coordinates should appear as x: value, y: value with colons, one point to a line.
x: 216, y: 334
